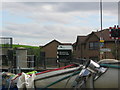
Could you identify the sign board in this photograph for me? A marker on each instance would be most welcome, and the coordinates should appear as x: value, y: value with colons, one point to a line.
x: 63, y: 53
x: 114, y: 32
x: 101, y: 44
x: 65, y: 47
x: 101, y: 52
x: 105, y: 50
x: 102, y: 41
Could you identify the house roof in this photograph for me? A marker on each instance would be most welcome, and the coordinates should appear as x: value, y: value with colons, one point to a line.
x: 57, y: 42
x: 66, y: 43
x: 81, y: 39
x: 104, y: 33
x: 50, y: 43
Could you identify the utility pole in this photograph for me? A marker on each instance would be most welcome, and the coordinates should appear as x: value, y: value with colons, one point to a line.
x: 101, y: 38
x: 101, y: 13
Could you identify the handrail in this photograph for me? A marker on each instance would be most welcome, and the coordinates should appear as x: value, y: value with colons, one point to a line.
x: 47, y: 71
x: 110, y: 66
x: 75, y: 73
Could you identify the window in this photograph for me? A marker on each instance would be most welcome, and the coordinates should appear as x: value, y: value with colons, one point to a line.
x: 93, y: 45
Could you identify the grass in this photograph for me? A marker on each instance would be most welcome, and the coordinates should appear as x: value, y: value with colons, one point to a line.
x: 26, y: 46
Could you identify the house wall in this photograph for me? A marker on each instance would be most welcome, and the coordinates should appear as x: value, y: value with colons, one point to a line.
x: 51, y: 50
x: 85, y: 52
x: 112, y: 46
x: 77, y: 51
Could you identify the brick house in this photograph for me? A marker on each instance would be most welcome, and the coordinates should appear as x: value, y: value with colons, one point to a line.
x: 87, y: 47
x: 50, y: 48
x: 49, y: 53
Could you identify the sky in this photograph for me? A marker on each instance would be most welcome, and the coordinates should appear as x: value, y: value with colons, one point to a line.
x: 37, y: 23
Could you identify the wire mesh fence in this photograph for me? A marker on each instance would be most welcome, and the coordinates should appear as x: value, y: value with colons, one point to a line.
x: 51, y: 62
x: 5, y: 42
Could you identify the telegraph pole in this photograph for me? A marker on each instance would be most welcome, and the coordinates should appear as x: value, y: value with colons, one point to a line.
x: 101, y: 38
x: 101, y: 13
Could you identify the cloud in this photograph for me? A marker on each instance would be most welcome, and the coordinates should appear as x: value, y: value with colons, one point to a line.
x: 44, y: 33
x: 62, y: 21
x: 59, y: 6
x: 59, y: 1
x: 43, y: 12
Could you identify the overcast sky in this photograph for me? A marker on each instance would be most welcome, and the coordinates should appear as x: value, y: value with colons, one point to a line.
x: 37, y: 23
